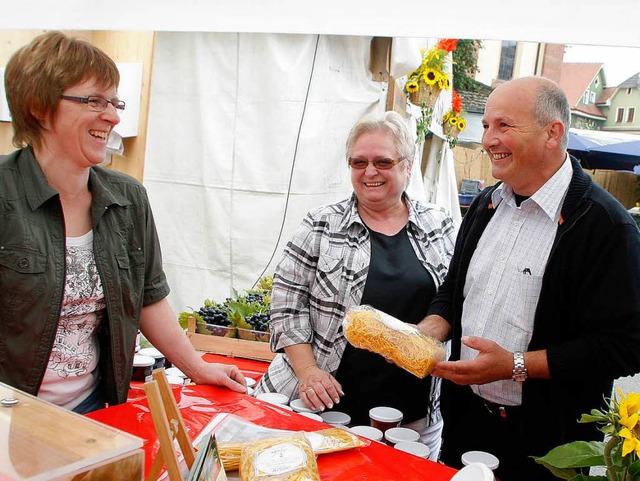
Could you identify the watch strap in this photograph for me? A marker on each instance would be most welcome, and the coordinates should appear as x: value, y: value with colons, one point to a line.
x: 520, y: 372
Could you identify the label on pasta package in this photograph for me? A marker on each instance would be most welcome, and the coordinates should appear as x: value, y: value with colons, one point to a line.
x: 279, y: 459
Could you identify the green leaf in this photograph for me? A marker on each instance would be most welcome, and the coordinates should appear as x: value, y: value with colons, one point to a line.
x: 566, y: 473
x: 634, y: 469
x: 585, y: 477
x: 578, y: 454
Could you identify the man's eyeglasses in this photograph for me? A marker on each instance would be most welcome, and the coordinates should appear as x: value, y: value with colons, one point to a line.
x: 96, y: 102
x: 380, y: 164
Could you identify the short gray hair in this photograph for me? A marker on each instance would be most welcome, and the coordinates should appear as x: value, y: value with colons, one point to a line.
x: 552, y: 104
x: 390, y: 122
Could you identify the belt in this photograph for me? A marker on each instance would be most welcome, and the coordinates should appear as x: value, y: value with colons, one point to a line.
x: 503, y: 411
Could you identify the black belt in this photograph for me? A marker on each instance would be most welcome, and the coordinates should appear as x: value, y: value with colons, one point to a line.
x: 503, y: 411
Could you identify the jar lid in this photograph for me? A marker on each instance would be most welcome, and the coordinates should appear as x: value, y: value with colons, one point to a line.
x: 312, y: 416
x: 273, y: 397
x: 151, y: 352
x: 300, y: 407
x: 335, y: 417
x: 143, y: 361
x: 482, y: 457
x: 415, y: 448
x: 368, y: 432
x: 399, y: 435
x: 385, y: 414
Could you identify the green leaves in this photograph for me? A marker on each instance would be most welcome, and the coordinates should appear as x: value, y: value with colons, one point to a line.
x: 578, y: 454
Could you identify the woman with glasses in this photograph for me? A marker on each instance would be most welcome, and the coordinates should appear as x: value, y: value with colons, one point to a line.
x: 377, y: 247
x: 80, y: 262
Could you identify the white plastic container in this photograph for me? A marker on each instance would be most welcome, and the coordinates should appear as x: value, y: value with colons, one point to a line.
x: 335, y: 418
x: 383, y: 417
x: 300, y: 407
x: 415, y: 448
x: 273, y: 398
x: 394, y: 436
x: 155, y: 354
x: 142, y: 368
x: 312, y: 416
x: 482, y: 457
x: 368, y: 432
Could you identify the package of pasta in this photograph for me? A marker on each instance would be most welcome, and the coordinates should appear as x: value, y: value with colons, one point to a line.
x: 368, y: 328
x: 288, y: 458
x: 331, y: 440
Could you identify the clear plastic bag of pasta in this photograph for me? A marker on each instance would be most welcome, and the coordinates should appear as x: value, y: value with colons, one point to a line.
x: 368, y: 328
x: 287, y: 458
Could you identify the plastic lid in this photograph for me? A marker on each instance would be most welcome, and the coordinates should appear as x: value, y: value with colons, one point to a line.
x: 415, y: 448
x: 482, y: 457
x: 399, y: 435
x: 300, y: 407
x: 312, y: 416
x: 175, y: 380
x: 250, y: 381
x: 174, y: 371
x: 273, y: 397
x: 151, y: 352
x: 368, y: 432
x: 335, y: 417
x: 143, y: 361
x: 385, y: 414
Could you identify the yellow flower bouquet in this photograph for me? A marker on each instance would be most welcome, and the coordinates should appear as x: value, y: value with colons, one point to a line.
x: 619, y: 454
x: 425, y: 82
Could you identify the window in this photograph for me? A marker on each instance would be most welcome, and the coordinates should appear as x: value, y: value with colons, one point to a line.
x: 620, y: 115
x: 596, y: 81
x: 593, y: 97
x: 507, y: 60
x: 628, y: 91
x: 585, y: 98
x: 631, y: 113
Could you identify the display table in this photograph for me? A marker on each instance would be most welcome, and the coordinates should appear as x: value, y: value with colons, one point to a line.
x: 199, y: 404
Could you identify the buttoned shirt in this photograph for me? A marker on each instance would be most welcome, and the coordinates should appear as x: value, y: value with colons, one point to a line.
x: 32, y: 270
x: 323, y: 272
x: 505, y: 274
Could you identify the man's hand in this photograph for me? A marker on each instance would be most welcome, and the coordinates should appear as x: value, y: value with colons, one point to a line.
x: 493, y: 363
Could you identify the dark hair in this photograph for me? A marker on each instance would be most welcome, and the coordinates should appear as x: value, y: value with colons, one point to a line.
x: 38, y: 73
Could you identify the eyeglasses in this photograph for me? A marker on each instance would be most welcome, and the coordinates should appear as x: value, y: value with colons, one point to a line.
x: 380, y: 164
x: 95, y: 102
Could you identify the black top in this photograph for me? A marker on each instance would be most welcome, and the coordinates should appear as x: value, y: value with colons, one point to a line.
x: 399, y: 285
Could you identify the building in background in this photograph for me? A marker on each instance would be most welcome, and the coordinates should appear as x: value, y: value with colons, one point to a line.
x: 583, y: 83
x: 621, y: 106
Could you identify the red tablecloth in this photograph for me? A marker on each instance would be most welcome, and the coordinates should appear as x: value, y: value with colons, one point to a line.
x: 199, y: 404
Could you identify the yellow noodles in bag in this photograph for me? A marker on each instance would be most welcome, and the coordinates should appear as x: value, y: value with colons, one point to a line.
x: 323, y: 441
x: 279, y: 459
x: 373, y: 330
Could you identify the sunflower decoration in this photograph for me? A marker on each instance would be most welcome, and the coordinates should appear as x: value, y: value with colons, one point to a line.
x: 425, y: 83
x: 452, y: 121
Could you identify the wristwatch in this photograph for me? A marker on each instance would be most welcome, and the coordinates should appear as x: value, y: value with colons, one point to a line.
x: 520, y: 372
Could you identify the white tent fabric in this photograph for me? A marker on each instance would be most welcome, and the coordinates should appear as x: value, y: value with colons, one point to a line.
x: 230, y: 126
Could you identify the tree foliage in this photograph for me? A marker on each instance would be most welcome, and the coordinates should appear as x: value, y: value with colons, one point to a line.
x: 465, y: 64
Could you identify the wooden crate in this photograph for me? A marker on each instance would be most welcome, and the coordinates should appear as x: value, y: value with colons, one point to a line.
x: 40, y: 441
x: 229, y: 346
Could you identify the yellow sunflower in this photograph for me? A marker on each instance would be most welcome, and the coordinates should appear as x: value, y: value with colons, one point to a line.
x: 430, y: 76
x: 462, y: 124
x: 412, y: 86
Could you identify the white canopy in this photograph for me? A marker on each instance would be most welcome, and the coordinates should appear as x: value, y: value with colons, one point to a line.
x: 570, y: 21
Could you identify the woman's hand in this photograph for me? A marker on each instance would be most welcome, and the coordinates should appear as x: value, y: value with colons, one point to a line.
x: 318, y: 389
x: 225, y: 375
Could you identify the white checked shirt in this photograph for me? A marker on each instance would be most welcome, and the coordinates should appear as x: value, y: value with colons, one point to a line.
x: 505, y: 274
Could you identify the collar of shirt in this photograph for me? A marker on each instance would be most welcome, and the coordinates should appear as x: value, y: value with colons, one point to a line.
x: 549, y: 197
x: 351, y: 215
